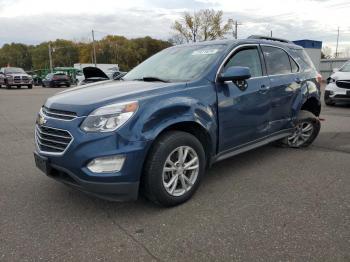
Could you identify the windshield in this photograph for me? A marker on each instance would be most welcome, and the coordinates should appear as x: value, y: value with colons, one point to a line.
x: 14, y: 70
x: 182, y: 63
x: 345, y: 67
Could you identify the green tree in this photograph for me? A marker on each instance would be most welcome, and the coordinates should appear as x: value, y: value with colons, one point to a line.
x: 111, y: 49
x: 16, y: 55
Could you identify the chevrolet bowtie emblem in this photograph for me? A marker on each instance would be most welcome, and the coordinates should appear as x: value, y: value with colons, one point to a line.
x: 41, y: 120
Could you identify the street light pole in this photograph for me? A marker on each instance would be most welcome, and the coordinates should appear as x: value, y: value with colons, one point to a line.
x: 50, y: 58
x: 336, y: 49
x: 93, y: 45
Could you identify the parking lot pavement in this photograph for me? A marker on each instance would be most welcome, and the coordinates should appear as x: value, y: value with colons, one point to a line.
x: 271, y: 204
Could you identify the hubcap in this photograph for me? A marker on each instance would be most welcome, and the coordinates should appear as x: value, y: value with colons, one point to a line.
x: 180, y: 170
x: 302, y: 133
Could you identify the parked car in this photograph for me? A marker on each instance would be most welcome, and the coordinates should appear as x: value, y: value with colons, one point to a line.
x: 92, y: 75
x: 176, y: 114
x: 338, y: 86
x: 95, y: 74
x: 15, y: 76
x: 56, y: 80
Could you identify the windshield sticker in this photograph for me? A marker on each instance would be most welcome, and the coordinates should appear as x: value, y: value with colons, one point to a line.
x: 205, y: 52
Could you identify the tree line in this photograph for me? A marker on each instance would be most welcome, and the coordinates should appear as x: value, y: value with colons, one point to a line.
x: 112, y: 49
x: 206, y: 24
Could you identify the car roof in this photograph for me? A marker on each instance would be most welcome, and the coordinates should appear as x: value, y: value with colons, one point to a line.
x: 234, y: 42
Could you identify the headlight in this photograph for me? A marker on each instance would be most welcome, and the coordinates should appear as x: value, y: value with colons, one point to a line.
x: 109, y: 118
x: 330, y: 80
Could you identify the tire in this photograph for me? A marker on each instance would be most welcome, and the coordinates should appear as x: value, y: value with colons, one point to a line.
x: 8, y: 87
x: 155, y: 178
x: 307, y: 127
x: 327, y: 100
x: 68, y: 85
x: 30, y: 86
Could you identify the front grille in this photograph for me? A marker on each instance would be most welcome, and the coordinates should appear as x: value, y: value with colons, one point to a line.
x: 343, y: 83
x: 342, y: 96
x: 25, y: 79
x: 17, y: 79
x: 52, y: 140
x: 59, y: 114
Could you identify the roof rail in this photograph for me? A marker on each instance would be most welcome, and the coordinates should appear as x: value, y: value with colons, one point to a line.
x: 269, y: 38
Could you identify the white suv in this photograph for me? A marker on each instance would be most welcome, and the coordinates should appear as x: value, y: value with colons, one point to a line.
x: 338, y: 85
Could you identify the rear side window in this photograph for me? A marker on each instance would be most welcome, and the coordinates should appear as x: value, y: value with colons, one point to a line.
x: 305, y: 58
x: 248, y: 58
x: 277, y: 61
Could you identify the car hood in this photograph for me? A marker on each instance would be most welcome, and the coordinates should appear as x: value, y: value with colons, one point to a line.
x: 341, y: 75
x: 90, y: 72
x: 19, y: 74
x: 86, y: 98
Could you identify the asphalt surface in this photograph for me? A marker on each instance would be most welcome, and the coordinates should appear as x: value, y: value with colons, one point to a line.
x: 270, y: 204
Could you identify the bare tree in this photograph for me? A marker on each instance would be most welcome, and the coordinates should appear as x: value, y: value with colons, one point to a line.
x: 203, y: 25
x: 326, y: 52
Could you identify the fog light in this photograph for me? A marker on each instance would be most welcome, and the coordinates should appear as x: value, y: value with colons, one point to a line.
x: 108, y: 164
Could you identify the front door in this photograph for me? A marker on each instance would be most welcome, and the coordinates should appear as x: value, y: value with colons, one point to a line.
x: 244, y: 111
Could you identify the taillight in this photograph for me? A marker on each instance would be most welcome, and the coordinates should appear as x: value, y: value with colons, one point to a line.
x: 319, y: 78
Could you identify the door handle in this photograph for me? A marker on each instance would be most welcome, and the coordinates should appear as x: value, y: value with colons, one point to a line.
x: 264, y: 89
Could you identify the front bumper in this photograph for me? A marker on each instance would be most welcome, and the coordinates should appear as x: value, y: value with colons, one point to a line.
x: 336, y: 93
x: 70, y: 167
x: 113, y: 191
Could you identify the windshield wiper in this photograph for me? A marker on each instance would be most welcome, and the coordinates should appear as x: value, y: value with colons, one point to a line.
x: 152, y: 79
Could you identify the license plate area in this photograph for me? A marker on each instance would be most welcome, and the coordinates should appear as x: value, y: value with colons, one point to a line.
x: 42, y: 163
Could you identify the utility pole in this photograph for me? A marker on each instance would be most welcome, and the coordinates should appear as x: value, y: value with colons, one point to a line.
x: 336, y: 49
x: 93, y: 45
x: 235, y: 33
x: 50, y: 57
x: 236, y: 28
x: 271, y: 33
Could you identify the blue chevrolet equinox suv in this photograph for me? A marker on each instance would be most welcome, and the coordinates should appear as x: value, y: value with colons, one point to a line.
x: 158, y: 129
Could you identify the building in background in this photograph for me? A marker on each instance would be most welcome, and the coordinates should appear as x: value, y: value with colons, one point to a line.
x: 328, y: 66
x: 313, y: 49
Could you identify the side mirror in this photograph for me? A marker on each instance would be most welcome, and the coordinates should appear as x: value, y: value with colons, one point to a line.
x: 335, y: 70
x: 235, y: 73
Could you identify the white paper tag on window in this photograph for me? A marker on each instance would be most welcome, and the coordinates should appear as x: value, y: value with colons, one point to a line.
x: 205, y: 52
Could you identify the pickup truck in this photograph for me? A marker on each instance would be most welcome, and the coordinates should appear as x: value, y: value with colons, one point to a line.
x: 157, y: 130
x: 15, y: 76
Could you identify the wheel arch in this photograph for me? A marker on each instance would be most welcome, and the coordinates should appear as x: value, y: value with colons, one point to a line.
x: 313, y: 105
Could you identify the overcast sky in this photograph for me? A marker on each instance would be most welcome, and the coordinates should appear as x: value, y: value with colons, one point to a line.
x: 34, y: 21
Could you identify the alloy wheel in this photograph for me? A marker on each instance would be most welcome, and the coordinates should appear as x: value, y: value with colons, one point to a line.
x: 303, y: 132
x: 180, y: 170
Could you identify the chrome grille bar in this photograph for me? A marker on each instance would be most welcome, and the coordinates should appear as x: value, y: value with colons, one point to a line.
x: 52, y: 140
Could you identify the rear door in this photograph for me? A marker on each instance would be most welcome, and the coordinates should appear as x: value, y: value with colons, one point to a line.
x: 244, y: 111
x: 284, y: 85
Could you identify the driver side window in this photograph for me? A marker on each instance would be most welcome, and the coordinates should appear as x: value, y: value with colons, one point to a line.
x: 248, y: 57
